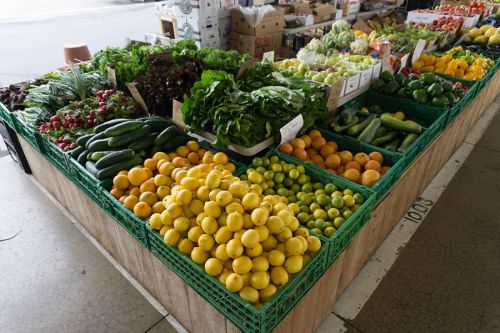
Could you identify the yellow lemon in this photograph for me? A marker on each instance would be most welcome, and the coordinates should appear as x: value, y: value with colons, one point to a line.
x: 234, y: 221
x: 186, y: 246
x: 250, y: 238
x: 242, y: 265
x: 294, y: 264
x: 171, y: 237
x: 221, y: 253
x: 269, y: 243
x: 213, y: 267
x: 223, y: 235
x: 260, y: 264
x: 206, y: 242
x: 314, y: 244
x: 223, y: 198
x: 212, y: 209
x: 234, y: 282
x: 259, y: 280
x: 276, y: 258
x: 268, y: 292
x: 259, y: 216
x: 293, y: 246
x: 250, y: 201
x: 275, y: 225
x: 199, y: 256
x: 234, y: 207
x: 234, y: 248
x: 209, y: 225
x: 195, y: 233
x: 279, y: 276
x: 155, y: 221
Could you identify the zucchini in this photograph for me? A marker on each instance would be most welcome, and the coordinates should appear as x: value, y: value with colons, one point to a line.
x: 158, y: 124
x: 104, y: 126
x: 391, y: 135
x: 82, y: 158
x: 113, y: 169
x: 342, y: 128
x: 381, y: 131
x: 99, y: 145
x: 400, y: 125
x: 356, y: 129
x: 143, y: 143
x: 408, y: 140
x: 129, y: 137
x: 96, y: 137
x: 368, y: 134
x: 123, y: 128
x: 90, y: 166
x: 77, y: 151
x: 393, y: 145
x: 347, y: 114
x: 81, y: 141
x: 156, y: 149
x: 114, y: 157
x: 176, y: 142
x: 97, y: 155
x: 168, y: 134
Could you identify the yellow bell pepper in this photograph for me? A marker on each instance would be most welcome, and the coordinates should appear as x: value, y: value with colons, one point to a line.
x: 459, y: 73
x: 469, y: 77
x: 418, y: 64
x: 479, y: 62
x: 446, y: 58
x: 439, y: 70
x: 450, y: 72
x: 462, y: 64
x: 440, y: 63
x: 452, y: 65
x: 430, y: 60
x: 428, y: 69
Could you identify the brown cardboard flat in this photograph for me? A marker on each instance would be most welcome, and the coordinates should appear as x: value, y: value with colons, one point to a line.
x: 272, y: 22
x: 255, y: 45
x: 323, y: 12
x: 303, y: 8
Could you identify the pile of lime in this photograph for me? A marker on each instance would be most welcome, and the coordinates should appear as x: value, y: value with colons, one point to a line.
x: 322, y: 208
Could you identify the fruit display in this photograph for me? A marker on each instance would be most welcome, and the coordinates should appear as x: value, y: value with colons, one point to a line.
x: 493, y: 20
x: 13, y: 96
x: 362, y: 168
x: 457, y: 62
x: 253, y: 244
x: 473, y: 9
x: 486, y: 34
x: 444, y: 23
x: 321, y: 208
x: 427, y: 88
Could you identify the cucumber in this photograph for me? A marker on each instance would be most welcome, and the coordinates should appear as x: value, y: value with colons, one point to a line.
x: 77, y: 151
x: 342, y: 128
x: 391, y: 135
x: 104, y: 126
x: 81, y: 141
x: 143, y: 143
x: 82, y: 158
x: 168, y: 134
x: 99, y: 145
x: 158, y: 124
x: 368, y: 134
x: 156, y: 149
x: 176, y: 142
x: 90, y: 166
x: 123, y: 128
x: 400, y: 125
x: 356, y: 129
x: 393, y: 145
x: 96, y: 137
x: 408, y: 140
x: 381, y: 131
x: 113, y: 169
x: 129, y: 137
x: 114, y: 157
x: 96, y: 156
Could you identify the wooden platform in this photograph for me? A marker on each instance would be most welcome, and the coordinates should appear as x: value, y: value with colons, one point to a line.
x: 194, y: 313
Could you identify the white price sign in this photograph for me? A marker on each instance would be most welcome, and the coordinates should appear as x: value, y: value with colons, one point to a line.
x: 290, y: 130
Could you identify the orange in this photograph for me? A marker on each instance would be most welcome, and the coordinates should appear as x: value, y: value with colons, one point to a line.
x: 345, y: 156
x: 307, y: 140
x: 182, y: 151
x: 340, y: 170
x: 148, y: 197
x: 137, y: 176
x: 286, y: 148
x: 123, y: 172
x: 148, y: 186
x: 171, y: 156
x: 193, y: 158
x: 318, y: 160
x: 326, y: 151
x: 193, y: 145
x: 361, y: 158
x: 142, y: 210
x: 121, y: 182
x: 333, y: 161
x: 166, y: 168
x: 311, y: 152
x: 352, y: 175
x: 298, y: 143
x: 158, y: 207
x: 318, y: 142
x: 333, y: 144
x: 179, y: 162
x: 220, y: 158
x: 331, y: 170
x: 353, y: 165
x: 300, y: 154
x: 201, y: 152
x: 117, y: 193
x: 375, y: 155
x: 150, y: 164
x: 207, y: 157
x: 314, y: 133
x: 149, y: 172
x: 308, y: 161
x: 160, y: 156
x: 373, y: 165
x: 384, y: 170
x: 179, y: 175
x: 369, y: 177
x: 130, y: 202
x: 122, y: 198
x: 160, y: 162
x: 135, y: 191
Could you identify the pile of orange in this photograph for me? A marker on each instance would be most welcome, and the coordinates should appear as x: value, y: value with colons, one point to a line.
x: 362, y: 168
x: 142, y: 188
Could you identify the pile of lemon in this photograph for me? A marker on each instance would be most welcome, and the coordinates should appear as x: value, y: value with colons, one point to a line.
x: 252, y: 243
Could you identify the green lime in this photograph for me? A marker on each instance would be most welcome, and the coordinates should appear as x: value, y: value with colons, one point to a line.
x: 310, y: 224
x: 294, y: 174
x: 269, y: 191
x: 323, y: 199
x: 329, y: 206
x: 278, y: 186
x: 333, y: 213
x: 314, y: 206
x: 288, y: 182
x: 318, y: 186
x: 347, y: 214
x: 319, y: 192
x: 349, y: 200
x: 330, y: 188
x: 302, y: 179
x: 329, y: 224
x: 359, y: 198
x: 337, y: 194
x: 317, y: 231
x: 306, y: 200
x: 243, y: 177
x: 329, y: 231
x: 338, y: 202
x: 265, y: 162
x: 296, y: 188
x: 303, y: 217
x: 301, y: 169
x: 275, y: 159
x: 320, y: 224
x: 264, y: 186
x: 292, y: 198
x: 260, y: 170
x: 348, y: 191
x: 304, y: 209
x: 344, y: 209
x: 269, y: 175
x: 279, y: 178
x: 270, y: 183
x: 307, y: 188
x: 287, y: 168
x: 249, y: 170
x: 338, y: 222
x: 282, y: 162
x: 257, y: 162
x: 320, y: 214
x: 355, y: 208
x: 283, y: 192
x: 276, y: 167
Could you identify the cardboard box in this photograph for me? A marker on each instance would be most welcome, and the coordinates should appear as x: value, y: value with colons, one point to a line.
x: 196, y: 9
x: 305, y: 20
x: 224, y: 30
x: 323, y: 12
x: 225, y: 7
x: 255, y: 45
x: 204, y: 32
x: 303, y: 8
x: 271, y: 22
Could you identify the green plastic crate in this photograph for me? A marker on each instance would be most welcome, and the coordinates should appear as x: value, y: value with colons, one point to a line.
x: 57, y: 156
x: 6, y: 116
x: 87, y: 182
x: 242, y: 314
x: 29, y: 134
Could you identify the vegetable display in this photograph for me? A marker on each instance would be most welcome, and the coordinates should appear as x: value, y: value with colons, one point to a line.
x: 486, y: 34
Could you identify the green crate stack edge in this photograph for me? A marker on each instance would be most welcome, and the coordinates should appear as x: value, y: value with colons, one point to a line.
x: 432, y: 116
x: 29, y: 134
x: 6, y: 115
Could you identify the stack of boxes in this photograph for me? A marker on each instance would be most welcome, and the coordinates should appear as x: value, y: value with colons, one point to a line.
x: 266, y: 36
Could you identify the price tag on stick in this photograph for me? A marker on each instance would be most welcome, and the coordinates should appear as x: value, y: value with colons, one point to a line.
x: 290, y: 130
x: 268, y: 56
x: 112, y: 76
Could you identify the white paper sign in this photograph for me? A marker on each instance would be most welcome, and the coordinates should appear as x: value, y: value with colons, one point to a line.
x: 404, y: 61
x: 268, y: 56
x: 290, y: 130
x: 417, y: 51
